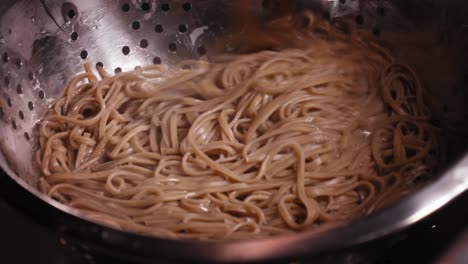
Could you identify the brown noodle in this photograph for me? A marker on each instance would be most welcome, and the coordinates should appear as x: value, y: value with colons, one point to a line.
x: 244, y: 146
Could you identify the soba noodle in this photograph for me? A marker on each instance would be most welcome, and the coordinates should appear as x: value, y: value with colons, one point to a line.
x: 243, y: 146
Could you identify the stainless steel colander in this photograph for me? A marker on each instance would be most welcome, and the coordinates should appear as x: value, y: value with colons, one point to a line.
x: 44, y: 43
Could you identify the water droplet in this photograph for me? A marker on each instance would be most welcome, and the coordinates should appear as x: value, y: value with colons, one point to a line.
x: 33, y: 19
x: 20, y: 43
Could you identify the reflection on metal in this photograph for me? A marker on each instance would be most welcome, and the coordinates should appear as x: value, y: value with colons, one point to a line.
x: 424, y: 34
x: 458, y: 252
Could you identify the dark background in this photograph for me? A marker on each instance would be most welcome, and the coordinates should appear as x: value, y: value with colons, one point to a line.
x: 23, y: 241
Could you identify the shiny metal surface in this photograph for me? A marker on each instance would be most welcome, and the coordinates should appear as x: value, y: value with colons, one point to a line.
x: 458, y: 252
x: 44, y: 43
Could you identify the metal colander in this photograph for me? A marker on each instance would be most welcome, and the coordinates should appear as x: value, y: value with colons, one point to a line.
x: 45, y: 43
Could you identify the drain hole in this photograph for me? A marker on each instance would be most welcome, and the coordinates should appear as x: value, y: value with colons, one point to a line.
x: 145, y: 7
x: 74, y: 36
x: 144, y: 43
x: 21, y: 115
x: 100, y: 64
x: 376, y: 32
x: 19, y: 89
x: 182, y: 28
x: 159, y: 28
x: 381, y: 11
x: 359, y: 20
x: 26, y: 136
x: 126, y: 50
x: 156, y: 60
x: 7, y: 81
x: 71, y: 13
x: 165, y: 7
x: 117, y: 70
x: 18, y: 63
x: 84, y: 54
x: 9, y: 102
x: 125, y: 7
x: 41, y: 94
x: 13, y: 124
x: 201, y: 51
x: 30, y: 105
x: 173, y: 47
x: 5, y: 57
x: 187, y: 6
x: 445, y: 108
x: 136, y: 25
x: 455, y: 90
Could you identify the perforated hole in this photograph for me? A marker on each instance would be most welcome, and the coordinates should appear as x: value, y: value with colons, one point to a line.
x: 74, y: 36
x: 13, y: 124
x: 9, y: 102
x: 359, y: 20
x: 5, y: 57
x: 41, y: 94
x: 118, y: 70
x: 26, y: 136
x: 187, y: 6
x: 165, y: 7
x: 145, y: 7
x: 31, y: 76
x: 7, y: 80
x: 201, y: 51
x: 126, y: 50
x: 172, y: 47
x: 144, y: 43
x: 381, y: 10
x: 84, y: 54
x: 125, y: 7
x: 21, y: 115
x: 376, y: 32
x: 30, y: 105
x: 100, y: 64
x: 18, y: 63
x: 19, y: 89
x: 71, y: 13
x: 157, y: 60
x: 136, y: 25
x: 182, y: 28
x: 159, y: 28
x: 455, y: 90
